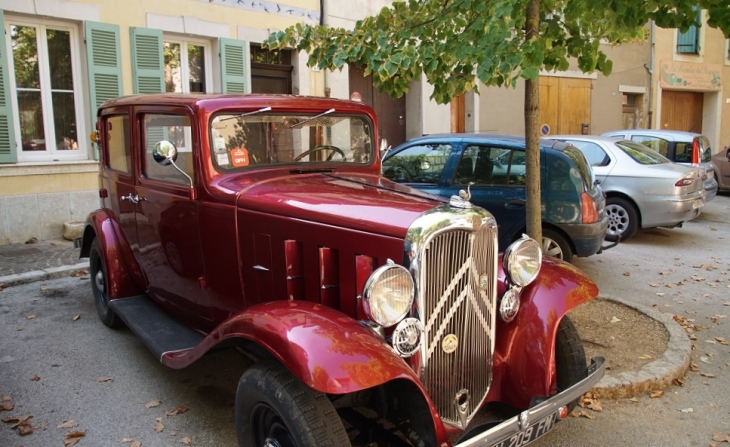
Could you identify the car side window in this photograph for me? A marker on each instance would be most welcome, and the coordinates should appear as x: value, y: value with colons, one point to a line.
x: 658, y: 144
x: 485, y: 165
x: 117, y: 137
x: 683, y: 152
x: 594, y: 153
x: 173, y: 128
x: 423, y: 163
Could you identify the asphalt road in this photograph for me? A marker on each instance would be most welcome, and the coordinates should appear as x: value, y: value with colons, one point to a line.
x: 51, y: 365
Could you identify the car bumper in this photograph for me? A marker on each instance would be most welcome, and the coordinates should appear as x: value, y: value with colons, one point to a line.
x: 711, y: 190
x: 587, y: 238
x: 670, y: 212
x: 519, y: 426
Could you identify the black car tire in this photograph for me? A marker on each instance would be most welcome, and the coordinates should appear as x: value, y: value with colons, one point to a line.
x: 100, y: 286
x: 623, y: 219
x: 555, y: 245
x: 570, y: 357
x: 272, y: 404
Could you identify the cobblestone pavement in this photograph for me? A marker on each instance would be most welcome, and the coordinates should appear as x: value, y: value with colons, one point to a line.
x: 42, y: 255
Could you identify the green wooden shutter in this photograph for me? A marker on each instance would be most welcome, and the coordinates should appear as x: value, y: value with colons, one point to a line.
x: 688, y: 42
x: 148, y: 66
x: 233, y: 65
x: 104, y: 62
x: 8, y: 150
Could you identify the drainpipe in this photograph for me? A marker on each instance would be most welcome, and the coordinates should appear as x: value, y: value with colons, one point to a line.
x: 323, y: 22
x: 650, y: 70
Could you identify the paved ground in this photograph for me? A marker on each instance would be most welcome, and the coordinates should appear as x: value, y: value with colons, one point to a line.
x: 44, y: 255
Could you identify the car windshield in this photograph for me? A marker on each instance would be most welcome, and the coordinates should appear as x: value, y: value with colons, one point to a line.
x: 257, y: 139
x: 642, y: 154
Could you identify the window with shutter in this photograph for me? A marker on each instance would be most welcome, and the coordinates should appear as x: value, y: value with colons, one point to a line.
x: 7, y: 127
x: 148, y: 69
x: 689, y: 41
x: 187, y: 66
x: 233, y: 65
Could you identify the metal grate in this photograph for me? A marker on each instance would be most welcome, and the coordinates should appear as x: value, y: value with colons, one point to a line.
x: 453, y: 263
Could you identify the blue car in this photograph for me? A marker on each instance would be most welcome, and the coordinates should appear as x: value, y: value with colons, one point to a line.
x: 574, y: 221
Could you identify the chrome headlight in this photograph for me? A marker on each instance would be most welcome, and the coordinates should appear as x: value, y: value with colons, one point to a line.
x: 388, y: 294
x: 522, y: 261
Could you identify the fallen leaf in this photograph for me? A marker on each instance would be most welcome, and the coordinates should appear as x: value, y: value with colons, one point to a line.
x: 182, y: 408
x: 173, y: 433
x: 25, y: 430
x: 687, y: 410
x: 19, y: 329
x: 654, y: 284
x: 660, y: 294
x: 634, y: 399
x: 76, y: 317
x: 721, y: 437
x: 75, y: 434
x: 656, y: 394
x: 36, y: 378
x: 70, y: 442
x: 722, y: 341
x: 68, y: 424
x: 645, y: 357
x: 170, y: 413
x: 614, y: 320
x: 627, y: 273
x: 104, y: 379
x: 678, y: 382
x: 44, y: 288
x: 159, y: 426
x: 30, y: 317
x: 186, y: 440
x: 708, y: 375
x: 152, y: 404
x: 697, y: 278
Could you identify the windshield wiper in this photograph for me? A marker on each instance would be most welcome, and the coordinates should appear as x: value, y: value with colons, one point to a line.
x: 312, y: 118
x: 265, y: 109
x: 310, y: 171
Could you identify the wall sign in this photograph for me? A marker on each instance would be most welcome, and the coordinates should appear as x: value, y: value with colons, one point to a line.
x: 689, y: 76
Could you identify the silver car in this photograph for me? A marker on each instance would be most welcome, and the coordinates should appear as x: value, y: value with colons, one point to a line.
x: 721, y: 163
x: 687, y: 148
x: 643, y: 188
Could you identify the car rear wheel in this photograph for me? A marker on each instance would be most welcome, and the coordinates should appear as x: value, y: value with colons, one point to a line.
x: 555, y: 245
x: 275, y: 409
x: 623, y: 219
x: 100, y: 287
x: 570, y: 357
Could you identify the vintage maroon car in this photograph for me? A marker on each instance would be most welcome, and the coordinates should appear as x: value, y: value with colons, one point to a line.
x: 376, y: 314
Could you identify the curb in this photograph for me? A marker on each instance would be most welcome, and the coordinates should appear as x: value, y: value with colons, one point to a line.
x: 653, y: 376
x: 42, y: 275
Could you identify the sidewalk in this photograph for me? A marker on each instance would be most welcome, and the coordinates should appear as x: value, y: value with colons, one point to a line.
x: 24, y: 263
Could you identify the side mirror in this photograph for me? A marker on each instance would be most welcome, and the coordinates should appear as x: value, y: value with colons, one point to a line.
x: 165, y: 154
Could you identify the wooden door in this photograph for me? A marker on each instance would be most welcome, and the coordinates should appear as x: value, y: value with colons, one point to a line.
x: 682, y: 110
x: 458, y: 122
x: 391, y: 112
x: 565, y: 104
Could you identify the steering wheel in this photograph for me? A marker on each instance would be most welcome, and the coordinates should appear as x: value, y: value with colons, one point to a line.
x: 334, y: 149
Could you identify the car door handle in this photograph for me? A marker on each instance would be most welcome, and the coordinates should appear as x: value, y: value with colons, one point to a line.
x: 132, y: 198
x: 517, y: 203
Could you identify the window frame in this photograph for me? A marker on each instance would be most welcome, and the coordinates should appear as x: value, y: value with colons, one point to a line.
x: 184, y: 41
x: 693, y: 31
x: 51, y: 154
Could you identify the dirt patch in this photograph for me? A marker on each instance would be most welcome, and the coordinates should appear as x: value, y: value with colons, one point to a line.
x: 625, y: 337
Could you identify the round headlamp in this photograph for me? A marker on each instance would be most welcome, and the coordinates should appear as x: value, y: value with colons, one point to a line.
x: 388, y: 294
x: 522, y: 261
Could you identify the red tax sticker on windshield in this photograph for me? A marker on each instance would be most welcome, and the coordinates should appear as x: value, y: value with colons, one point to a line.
x: 239, y: 157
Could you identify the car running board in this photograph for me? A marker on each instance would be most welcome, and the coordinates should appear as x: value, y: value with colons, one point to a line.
x: 160, y: 332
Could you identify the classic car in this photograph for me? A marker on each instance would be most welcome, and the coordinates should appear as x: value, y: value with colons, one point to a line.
x: 644, y: 189
x: 574, y: 222
x: 686, y: 148
x: 375, y: 314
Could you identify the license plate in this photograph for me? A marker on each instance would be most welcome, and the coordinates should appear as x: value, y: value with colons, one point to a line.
x: 530, y: 434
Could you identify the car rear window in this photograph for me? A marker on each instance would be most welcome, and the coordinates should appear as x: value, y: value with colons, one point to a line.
x: 586, y: 173
x: 641, y: 154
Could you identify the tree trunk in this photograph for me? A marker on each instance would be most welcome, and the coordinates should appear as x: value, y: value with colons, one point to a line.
x: 532, y: 135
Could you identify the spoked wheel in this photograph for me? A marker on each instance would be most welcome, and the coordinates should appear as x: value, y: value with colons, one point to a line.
x: 623, y: 219
x: 100, y: 287
x: 275, y: 409
x: 555, y: 245
x: 570, y: 357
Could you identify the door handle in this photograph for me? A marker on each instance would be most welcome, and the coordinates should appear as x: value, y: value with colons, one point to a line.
x: 517, y: 203
x: 132, y: 198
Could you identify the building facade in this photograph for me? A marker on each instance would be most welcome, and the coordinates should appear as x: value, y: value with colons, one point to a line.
x: 60, y: 59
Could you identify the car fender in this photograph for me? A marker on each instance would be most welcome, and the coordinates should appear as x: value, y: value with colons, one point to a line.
x: 524, y: 356
x: 116, y: 262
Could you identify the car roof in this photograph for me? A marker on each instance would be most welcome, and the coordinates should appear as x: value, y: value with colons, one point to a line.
x: 678, y: 134
x: 476, y: 137
x: 600, y: 138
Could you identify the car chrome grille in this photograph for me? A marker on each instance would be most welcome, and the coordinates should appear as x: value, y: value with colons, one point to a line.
x: 456, y: 310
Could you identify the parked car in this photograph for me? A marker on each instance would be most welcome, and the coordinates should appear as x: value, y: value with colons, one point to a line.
x: 721, y: 165
x: 262, y: 223
x: 685, y: 148
x: 574, y: 222
x: 643, y: 188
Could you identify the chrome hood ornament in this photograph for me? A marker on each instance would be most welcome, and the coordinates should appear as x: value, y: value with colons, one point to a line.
x: 463, y: 199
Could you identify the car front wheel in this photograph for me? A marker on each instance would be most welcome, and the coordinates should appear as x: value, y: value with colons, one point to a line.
x: 623, y: 219
x: 100, y: 287
x: 570, y: 357
x: 275, y: 409
x: 555, y: 245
